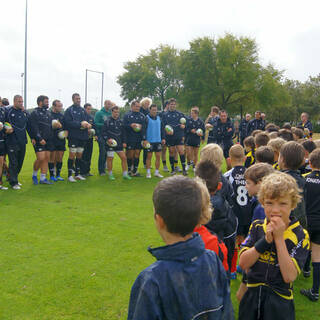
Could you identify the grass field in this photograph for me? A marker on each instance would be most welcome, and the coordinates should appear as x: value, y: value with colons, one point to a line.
x: 73, y: 251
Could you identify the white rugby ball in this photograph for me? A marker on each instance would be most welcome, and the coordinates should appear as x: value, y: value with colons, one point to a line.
x: 62, y: 135
x: 183, y: 120
x: 113, y: 143
x: 7, y: 125
x: 146, y: 146
x: 54, y: 123
x: 1, y: 125
x: 92, y: 132
x: 199, y: 132
x: 168, y: 128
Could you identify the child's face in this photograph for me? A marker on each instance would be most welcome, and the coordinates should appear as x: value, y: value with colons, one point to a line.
x: 280, y: 207
x: 253, y: 188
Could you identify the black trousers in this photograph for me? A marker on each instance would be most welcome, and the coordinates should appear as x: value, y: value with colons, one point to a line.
x: 230, y: 244
x: 16, y: 156
x: 86, y: 157
x: 262, y: 303
x: 102, y: 155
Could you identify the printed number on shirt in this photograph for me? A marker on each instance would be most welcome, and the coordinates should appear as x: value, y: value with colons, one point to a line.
x: 242, y: 197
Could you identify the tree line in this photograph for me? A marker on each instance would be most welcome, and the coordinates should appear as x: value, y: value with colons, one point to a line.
x: 226, y: 72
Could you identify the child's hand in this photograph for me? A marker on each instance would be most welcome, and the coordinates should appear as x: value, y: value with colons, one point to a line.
x: 278, y: 227
x: 269, y: 235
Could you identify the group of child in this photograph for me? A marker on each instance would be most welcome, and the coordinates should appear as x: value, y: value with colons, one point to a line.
x: 263, y: 206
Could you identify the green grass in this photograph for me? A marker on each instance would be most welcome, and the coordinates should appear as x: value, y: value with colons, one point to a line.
x: 73, y: 251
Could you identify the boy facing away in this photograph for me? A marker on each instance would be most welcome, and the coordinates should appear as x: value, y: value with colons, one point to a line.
x: 274, y: 252
x: 187, y: 281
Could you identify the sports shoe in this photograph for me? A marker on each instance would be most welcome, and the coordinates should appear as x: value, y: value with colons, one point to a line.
x: 111, y: 177
x: 80, y: 177
x: 306, y: 273
x: 19, y: 184
x: 126, y: 177
x: 184, y: 172
x: 310, y: 295
x: 102, y: 174
x: 187, y: 167
x: 45, y: 181
x: 89, y: 174
x: 59, y: 178
x: 177, y: 168
x: 165, y: 169
x: 148, y: 176
x: 173, y: 173
x: 34, y: 180
x: 16, y: 187
x: 54, y: 179
x: 233, y: 275
x: 137, y: 174
x: 158, y: 175
x: 72, y: 179
x: 239, y: 270
x: 3, y: 188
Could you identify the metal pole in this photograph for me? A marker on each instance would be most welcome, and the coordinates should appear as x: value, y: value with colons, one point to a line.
x: 85, y: 98
x: 25, y: 56
x: 102, y: 90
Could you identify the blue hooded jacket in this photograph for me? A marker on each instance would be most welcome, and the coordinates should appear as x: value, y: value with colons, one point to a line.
x: 187, y: 282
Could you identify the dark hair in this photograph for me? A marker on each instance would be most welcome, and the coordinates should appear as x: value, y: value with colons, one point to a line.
x: 314, y: 158
x: 287, y: 126
x: 172, y: 100
x: 255, y: 132
x: 5, y: 101
x: 265, y: 154
x: 74, y: 95
x: 271, y: 127
x: 17, y: 96
x: 133, y: 103
x: 178, y: 200
x: 54, y: 102
x: 298, y: 132
x: 261, y: 139
x: 223, y: 111
x: 257, y: 171
x: 258, y: 111
x: 286, y: 134
x: 249, y: 142
x: 165, y: 103
x: 309, y: 145
x: 86, y: 105
x: 292, y: 154
x: 41, y: 99
x: 153, y: 106
x: 114, y: 108
x: 210, y: 173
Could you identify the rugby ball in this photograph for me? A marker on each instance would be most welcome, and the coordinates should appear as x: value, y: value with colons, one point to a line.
x: 7, y: 125
x: 112, y: 143
x: 62, y: 135
x: 54, y: 123
x: 146, y: 146
x: 137, y: 127
x: 199, y: 132
x: 168, y: 128
x: 1, y: 125
x: 92, y: 132
x: 183, y: 120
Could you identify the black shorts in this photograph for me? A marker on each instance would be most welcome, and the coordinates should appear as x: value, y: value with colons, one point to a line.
x: 243, y: 230
x: 115, y: 149
x: 173, y: 141
x: 192, y: 143
x: 40, y: 148
x: 134, y: 145
x: 155, y: 147
x: 226, y: 151
x: 314, y: 236
x: 2, y: 149
x: 59, y: 147
x: 211, y: 140
x: 76, y: 143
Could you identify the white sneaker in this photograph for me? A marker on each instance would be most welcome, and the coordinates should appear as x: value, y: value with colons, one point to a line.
x: 165, y: 169
x: 80, y: 177
x: 19, y: 184
x: 16, y: 187
x: 3, y: 188
x: 72, y: 179
x: 158, y: 175
x: 187, y: 167
x: 148, y: 176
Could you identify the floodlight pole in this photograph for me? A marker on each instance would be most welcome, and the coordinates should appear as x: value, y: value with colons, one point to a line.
x: 25, y: 56
x: 86, y: 84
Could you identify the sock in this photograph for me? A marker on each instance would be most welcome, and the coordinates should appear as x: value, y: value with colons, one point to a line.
x: 129, y: 162
x: 51, y: 168
x: 148, y: 171
x: 306, y: 266
x: 135, y: 165
x: 316, y: 277
x: 189, y: 163
x: 183, y: 161
x: 171, y: 159
x: 145, y: 153
x: 125, y: 173
x: 42, y: 176
x: 175, y: 162
x: 58, y: 168
x: 156, y: 171
x: 164, y: 162
x: 234, y: 260
x: 77, y: 163
x: 35, y: 173
x: 70, y: 167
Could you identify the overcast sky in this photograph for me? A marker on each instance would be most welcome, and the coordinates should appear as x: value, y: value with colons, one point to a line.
x: 65, y: 37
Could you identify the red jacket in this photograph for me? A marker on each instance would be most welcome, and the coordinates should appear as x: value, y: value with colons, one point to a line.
x: 211, y: 242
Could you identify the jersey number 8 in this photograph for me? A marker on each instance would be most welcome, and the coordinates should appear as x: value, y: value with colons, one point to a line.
x: 242, y: 198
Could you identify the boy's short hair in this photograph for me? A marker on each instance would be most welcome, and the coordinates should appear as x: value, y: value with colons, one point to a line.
x: 178, y: 201
x: 265, y: 154
x: 314, y: 158
x: 114, y: 108
x: 271, y: 127
x: 292, y: 154
x: 210, y: 173
x: 236, y: 152
x: 287, y: 126
x: 256, y: 172
x: 249, y: 142
x: 255, y: 132
x: 309, y: 145
x: 276, y: 144
x: 215, y: 109
x: 213, y: 153
x: 297, y: 132
x: 273, y: 135
x: 286, y: 134
x: 278, y: 185
x: 261, y: 139
x: 195, y: 110
x: 317, y: 143
x: 206, y: 209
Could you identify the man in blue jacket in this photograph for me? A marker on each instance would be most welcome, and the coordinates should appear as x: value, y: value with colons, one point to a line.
x: 187, y: 281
